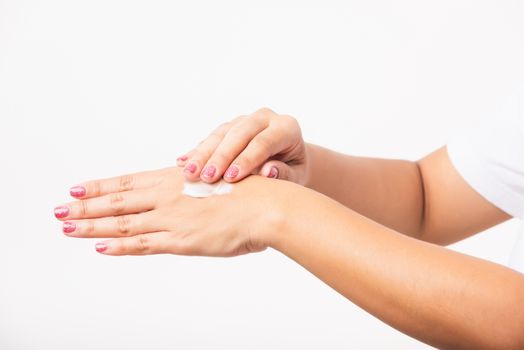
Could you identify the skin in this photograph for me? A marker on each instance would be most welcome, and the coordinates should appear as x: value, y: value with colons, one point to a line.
x: 375, y: 237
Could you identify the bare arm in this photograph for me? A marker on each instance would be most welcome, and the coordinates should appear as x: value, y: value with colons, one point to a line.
x: 427, y: 199
x: 436, y: 295
x: 439, y: 296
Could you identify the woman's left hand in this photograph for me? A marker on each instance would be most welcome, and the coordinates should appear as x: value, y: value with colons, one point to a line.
x: 146, y: 213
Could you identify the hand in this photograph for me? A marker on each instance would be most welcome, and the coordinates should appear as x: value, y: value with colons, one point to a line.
x: 145, y: 213
x: 265, y: 143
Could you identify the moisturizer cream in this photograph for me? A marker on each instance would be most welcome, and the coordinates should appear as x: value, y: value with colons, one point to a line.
x: 201, y: 189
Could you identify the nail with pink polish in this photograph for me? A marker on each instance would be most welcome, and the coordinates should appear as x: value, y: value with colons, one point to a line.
x: 190, y: 168
x: 61, y: 212
x: 231, y: 172
x: 101, y: 247
x: 209, y: 171
x: 77, y: 191
x: 68, y: 227
x: 182, y: 159
x: 273, y: 172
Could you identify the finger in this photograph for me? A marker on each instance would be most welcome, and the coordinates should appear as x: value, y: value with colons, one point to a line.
x: 117, y: 203
x: 233, y: 143
x: 259, y: 150
x: 276, y: 169
x: 128, y: 182
x: 114, y: 226
x: 203, y: 151
x: 144, y: 244
x: 182, y: 160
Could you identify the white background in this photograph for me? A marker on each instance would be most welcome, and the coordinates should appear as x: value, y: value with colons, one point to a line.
x: 91, y: 89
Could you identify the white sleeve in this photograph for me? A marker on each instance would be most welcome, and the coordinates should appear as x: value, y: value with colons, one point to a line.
x: 490, y: 157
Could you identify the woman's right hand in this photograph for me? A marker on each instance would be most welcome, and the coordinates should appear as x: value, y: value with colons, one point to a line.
x: 263, y: 143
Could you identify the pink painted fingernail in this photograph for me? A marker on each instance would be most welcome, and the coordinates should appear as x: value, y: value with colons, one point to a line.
x: 231, y: 172
x: 182, y: 159
x: 101, y: 247
x: 68, y: 227
x: 190, y: 168
x: 77, y: 191
x: 61, y: 212
x: 209, y: 171
x: 273, y: 173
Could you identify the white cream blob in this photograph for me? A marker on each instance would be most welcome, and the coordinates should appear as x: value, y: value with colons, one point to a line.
x: 201, y: 189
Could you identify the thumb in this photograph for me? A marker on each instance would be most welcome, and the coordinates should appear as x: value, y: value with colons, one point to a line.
x: 276, y: 169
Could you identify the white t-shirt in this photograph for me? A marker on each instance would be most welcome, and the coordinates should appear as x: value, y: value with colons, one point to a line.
x: 490, y: 157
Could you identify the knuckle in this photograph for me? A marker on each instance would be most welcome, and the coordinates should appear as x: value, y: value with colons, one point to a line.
x: 202, y: 155
x: 224, y: 126
x: 89, y: 227
x: 142, y: 244
x: 217, y: 134
x: 124, y: 225
x: 239, y: 118
x: 259, y: 151
x: 265, y: 111
x: 289, y: 121
x: 94, y: 188
x: 262, y: 144
x: 221, y: 130
x: 238, y: 132
x: 260, y: 122
x: 291, y: 124
x: 83, y: 208
x: 247, y: 160
x: 126, y: 183
x: 220, y: 159
x: 116, y: 202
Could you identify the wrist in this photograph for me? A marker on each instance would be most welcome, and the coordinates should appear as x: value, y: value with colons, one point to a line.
x: 276, y: 212
x: 291, y: 205
x: 275, y: 202
x: 308, y: 161
x: 261, y: 203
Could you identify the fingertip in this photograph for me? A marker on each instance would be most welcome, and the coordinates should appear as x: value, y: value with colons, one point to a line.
x: 61, y: 212
x: 68, y: 228
x: 191, y: 171
x: 102, y: 247
x: 232, y: 173
x: 77, y: 191
x: 208, y: 173
x: 182, y: 161
x: 273, y: 172
x: 182, y: 158
x: 265, y: 170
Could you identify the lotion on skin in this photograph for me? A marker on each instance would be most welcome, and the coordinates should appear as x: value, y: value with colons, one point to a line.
x: 202, y: 190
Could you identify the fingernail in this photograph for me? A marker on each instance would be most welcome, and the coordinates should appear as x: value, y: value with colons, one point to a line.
x: 77, y: 191
x: 61, y: 212
x: 68, y: 227
x: 231, y: 172
x: 101, y: 247
x: 182, y: 159
x: 273, y: 173
x: 190, y: 168
x: 209, y: 171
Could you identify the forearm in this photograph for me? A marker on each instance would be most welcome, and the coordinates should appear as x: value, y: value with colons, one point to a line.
x: 385, y: 190
x: 439, y: 296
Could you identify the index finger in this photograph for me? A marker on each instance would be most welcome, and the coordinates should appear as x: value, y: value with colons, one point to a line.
x: 128, y: 182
